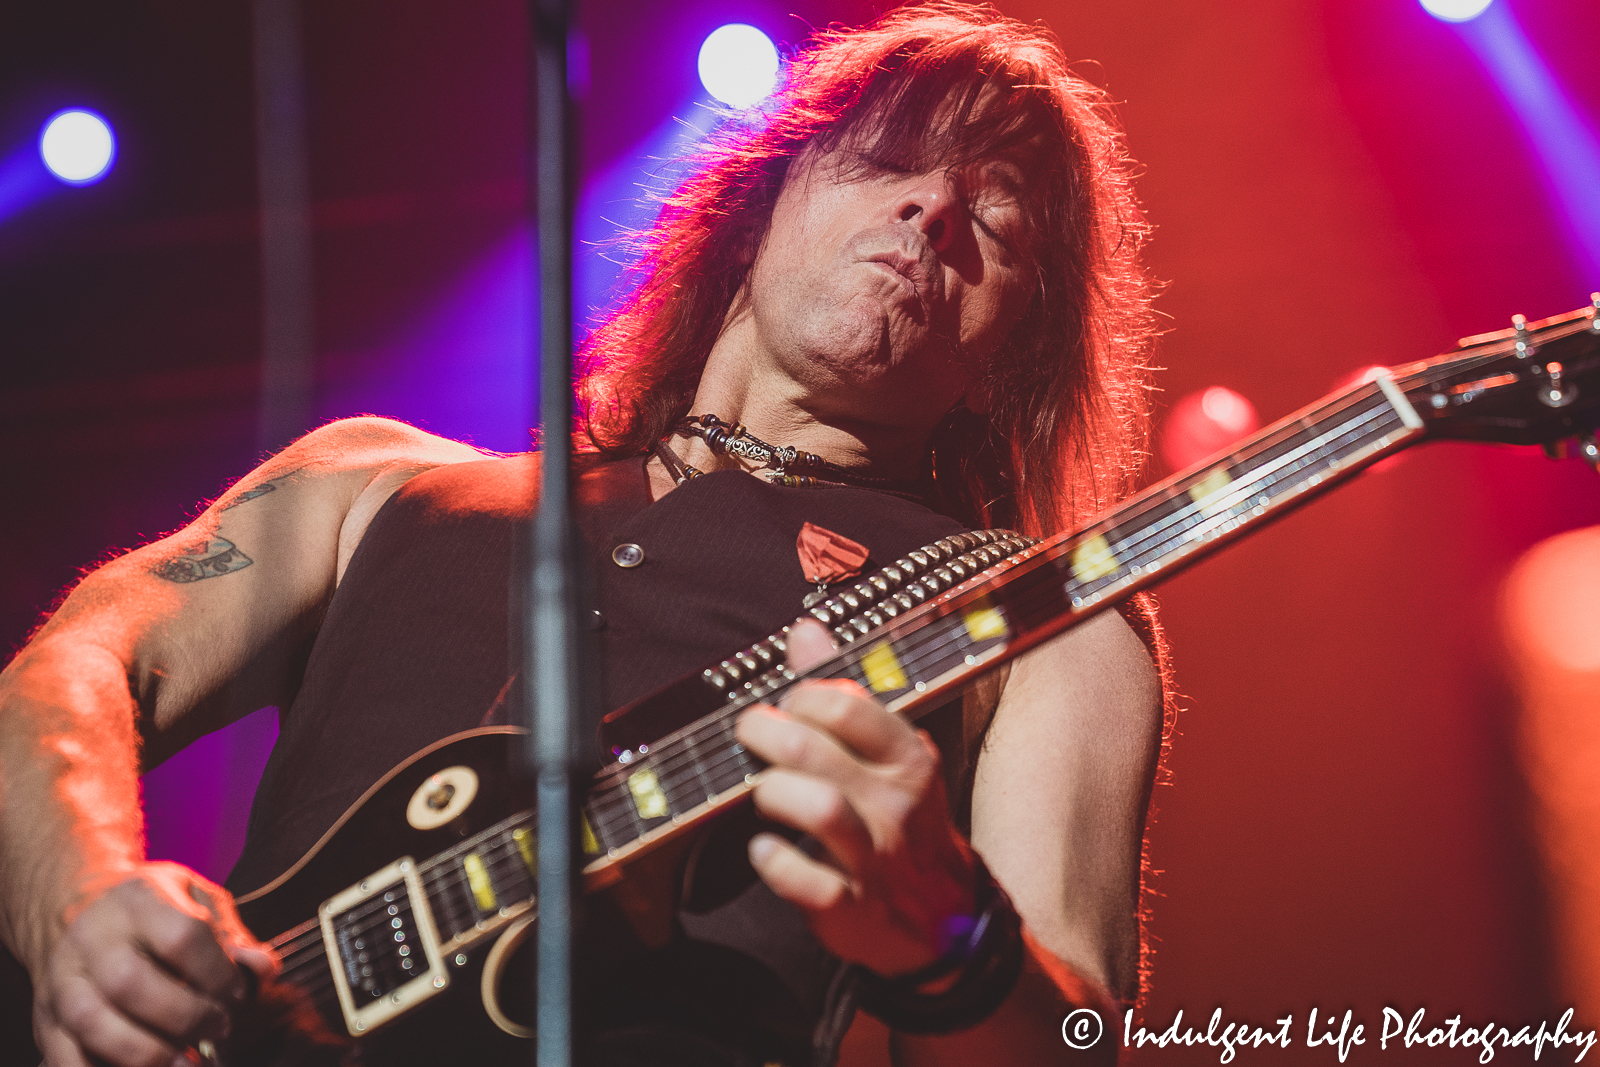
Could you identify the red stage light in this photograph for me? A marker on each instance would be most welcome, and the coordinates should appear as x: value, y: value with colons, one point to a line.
x: 1547, y: 612
x: 1365, y: 374
x: 1204, y: 423
x: 1551, y: 603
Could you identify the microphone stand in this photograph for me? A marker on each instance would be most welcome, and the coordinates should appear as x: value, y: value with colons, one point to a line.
x: 550, y: 658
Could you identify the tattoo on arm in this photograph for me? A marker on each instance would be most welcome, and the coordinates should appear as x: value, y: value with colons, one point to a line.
x: 261, y: 490
x: 249, y: 494
x: 211, y: 560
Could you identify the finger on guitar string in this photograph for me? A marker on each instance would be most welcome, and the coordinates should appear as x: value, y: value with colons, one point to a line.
x: 809, y: 643
x: 844, y: 710
x: 821, y: 734
x: 867, y: 786
x: 840, y: 707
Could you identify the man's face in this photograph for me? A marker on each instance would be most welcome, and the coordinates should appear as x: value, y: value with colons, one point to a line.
x: 880, y: 290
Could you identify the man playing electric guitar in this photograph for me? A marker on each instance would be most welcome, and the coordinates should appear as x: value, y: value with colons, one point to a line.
x: 906, y: 300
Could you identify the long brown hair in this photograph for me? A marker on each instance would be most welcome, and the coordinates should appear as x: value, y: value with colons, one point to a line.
x: 1066, y: 428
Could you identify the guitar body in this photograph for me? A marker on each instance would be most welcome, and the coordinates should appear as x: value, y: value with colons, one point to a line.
x: 453, y: 1024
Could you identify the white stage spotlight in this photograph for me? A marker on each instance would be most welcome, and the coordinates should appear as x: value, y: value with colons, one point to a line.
x: 77, y: 146
x: 738, y: 65
x: 1456, y: 10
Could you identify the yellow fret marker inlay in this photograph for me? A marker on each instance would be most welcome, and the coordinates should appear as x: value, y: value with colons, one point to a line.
x: 647, y: 794
x: 528, y: 845
x: 1093, y: 559
x: 591, y: 844
x: 984, y: 622
x: 882, y: 668
x: 1206, y: 491
x: 478, y: 881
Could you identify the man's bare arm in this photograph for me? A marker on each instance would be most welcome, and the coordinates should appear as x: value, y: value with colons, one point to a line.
x: 151, y: 650
x: 1058, y: 814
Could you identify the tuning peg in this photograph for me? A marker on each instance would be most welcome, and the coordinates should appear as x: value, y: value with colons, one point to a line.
x: 1557, y: 394
x: 1594, y: 320
x: 1520, y: 324
x: 1589, y: 449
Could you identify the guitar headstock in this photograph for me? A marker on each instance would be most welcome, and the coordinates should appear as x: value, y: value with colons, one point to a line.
x: 1537, y: 383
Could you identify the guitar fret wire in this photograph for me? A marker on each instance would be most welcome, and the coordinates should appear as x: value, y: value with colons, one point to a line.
x: 1257, y: 479
x: 1260, y: 479
x: 667, y: 771
x: 1254, y: 479
x: 670, y: 781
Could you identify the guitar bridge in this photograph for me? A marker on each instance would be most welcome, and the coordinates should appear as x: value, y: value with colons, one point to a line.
x: 383, y: 947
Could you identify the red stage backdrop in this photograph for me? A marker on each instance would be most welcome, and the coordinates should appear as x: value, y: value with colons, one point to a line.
x: 1335, y: 184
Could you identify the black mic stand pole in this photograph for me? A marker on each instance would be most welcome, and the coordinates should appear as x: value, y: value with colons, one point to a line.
x: 551, y: 655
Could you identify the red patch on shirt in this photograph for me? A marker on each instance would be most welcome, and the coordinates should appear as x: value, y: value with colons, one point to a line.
x: 827, y: 557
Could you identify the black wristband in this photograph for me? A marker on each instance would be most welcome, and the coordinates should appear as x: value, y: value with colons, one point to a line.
x: 987, y: 963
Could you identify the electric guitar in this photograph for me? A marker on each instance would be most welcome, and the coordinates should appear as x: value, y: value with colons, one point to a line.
x: 418, y: 898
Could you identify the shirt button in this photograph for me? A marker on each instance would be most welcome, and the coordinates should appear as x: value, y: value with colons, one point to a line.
x: 628, y: 555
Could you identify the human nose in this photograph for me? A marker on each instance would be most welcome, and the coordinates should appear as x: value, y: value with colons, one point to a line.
x: 930, y: 203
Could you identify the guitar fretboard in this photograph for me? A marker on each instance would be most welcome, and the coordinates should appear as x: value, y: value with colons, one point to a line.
x: 930, y: 650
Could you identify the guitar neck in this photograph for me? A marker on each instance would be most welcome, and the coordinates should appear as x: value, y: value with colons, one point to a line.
x: 923, y: 652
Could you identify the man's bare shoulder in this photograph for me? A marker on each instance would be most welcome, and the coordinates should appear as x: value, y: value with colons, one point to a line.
x: 350, y: 468
x: 360, y: 445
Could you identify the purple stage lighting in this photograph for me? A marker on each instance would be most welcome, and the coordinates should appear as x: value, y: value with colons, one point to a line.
x: 1562, y: 136
x: 77, y: 146
x: 738, y: 65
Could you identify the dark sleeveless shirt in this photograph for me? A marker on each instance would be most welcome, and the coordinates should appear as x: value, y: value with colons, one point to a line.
x: 414, y: 648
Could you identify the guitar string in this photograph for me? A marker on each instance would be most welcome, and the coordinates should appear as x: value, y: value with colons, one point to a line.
x: 436, y: 879
x: 500, y: 858
x: 377, y: 902
x: 915, y: 652
x: 501, y: 854
x: 508, y: 844
x: 437, y: 875
x: 664, y: 766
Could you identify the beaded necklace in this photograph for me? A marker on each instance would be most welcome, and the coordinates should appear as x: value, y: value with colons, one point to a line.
x: 779, y: 461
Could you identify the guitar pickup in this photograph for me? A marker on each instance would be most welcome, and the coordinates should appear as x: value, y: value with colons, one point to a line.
x: 383, y: 947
